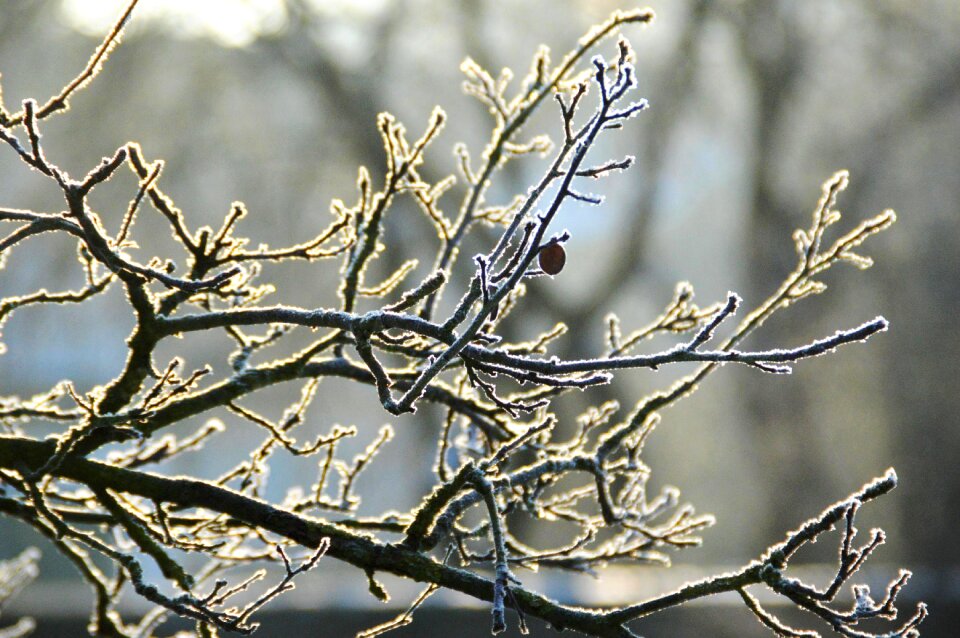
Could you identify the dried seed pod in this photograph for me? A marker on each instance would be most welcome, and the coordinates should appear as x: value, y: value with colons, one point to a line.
x: 552, y: 258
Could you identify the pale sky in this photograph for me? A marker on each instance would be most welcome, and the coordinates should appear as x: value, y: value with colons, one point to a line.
x: 230, y: 22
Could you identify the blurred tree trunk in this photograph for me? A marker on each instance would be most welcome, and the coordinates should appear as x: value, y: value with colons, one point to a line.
x: 774, y: 52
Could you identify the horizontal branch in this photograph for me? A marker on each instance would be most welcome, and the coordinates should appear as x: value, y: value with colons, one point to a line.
x: 253, y: 379
x: 361, y: 551
x: 356, y: 549
x: 378, y: 321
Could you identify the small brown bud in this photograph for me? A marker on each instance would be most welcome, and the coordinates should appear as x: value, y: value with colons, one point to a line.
x: 552, y: 258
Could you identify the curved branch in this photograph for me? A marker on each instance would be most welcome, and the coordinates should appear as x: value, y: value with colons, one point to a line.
x: 356, y: 549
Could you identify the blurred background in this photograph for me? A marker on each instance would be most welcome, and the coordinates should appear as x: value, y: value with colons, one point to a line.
x: 754, y: 103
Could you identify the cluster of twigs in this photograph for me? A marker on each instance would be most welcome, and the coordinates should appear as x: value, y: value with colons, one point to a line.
x: 15, y: 574
x: 499, y: 450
